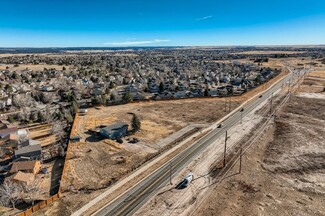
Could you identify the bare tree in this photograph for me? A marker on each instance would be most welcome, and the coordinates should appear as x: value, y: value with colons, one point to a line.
x: 57, y: 129
x: 22, y: 101
x: 1, y: 152
x: 48, y: 117
x: 32, y: 191
x: 26, y: 113
x: 11, y: 193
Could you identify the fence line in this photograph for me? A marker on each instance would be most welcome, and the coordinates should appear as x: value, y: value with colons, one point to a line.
x: 48, y: 201
x: 39, y: 205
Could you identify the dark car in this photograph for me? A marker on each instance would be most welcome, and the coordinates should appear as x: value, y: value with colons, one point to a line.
x: 119, y: 140
x: 219, y: 126
x: 260, y: 96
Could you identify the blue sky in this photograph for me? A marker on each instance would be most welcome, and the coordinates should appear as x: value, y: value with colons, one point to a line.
x: 97, y: 23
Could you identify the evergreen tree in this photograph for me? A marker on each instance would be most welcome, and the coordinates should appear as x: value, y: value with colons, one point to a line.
x: 136, y: 124
x: 161, y: 87
x: 127, y: 97
x: 112, y: 97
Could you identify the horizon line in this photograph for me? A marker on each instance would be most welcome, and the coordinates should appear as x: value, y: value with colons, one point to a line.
x: 152, y: 46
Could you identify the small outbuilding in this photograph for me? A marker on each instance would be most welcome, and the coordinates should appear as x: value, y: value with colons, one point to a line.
x: 31, y: 151
x: 114, y: 131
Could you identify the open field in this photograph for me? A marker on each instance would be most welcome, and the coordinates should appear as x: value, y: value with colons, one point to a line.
x: 268, y: 52
x: 38, y: 67
x: 96, y: 163
x: 283, y: 172
x: 318, y: 73
x: 313, y: 83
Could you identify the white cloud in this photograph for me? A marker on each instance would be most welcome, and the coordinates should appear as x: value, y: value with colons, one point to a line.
x: 132, y: 43
x: 204, y: 18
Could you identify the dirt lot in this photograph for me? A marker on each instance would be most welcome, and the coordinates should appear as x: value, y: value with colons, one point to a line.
x: 96, y: 163
x: 158, y: 119
x: 284, y: 172
x: 318, y: 73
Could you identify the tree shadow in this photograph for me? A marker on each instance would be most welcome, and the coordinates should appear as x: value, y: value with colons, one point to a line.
x: 56, y: 175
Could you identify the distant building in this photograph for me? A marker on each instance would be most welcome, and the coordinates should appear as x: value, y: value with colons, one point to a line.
x: 114, y: 131
x: 47, y: 88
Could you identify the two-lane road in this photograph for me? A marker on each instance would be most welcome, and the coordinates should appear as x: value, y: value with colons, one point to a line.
x: 129, y: 202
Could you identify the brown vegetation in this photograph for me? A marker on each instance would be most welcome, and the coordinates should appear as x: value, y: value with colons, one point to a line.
x: 283, y: 172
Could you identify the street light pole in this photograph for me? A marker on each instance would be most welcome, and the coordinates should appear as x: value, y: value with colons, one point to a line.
x: 271, y: 103
x: 241, y: 115
x: 240, y: 157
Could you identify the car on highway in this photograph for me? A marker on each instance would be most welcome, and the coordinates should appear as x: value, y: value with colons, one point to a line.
x: 183, y: 184
x: 220, y: 125
x: 260, y: 96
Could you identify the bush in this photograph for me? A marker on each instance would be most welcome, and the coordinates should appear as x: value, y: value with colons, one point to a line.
x: 136, y: 124
x: 11, y: 119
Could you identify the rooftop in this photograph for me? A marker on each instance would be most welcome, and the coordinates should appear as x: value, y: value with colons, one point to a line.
x: 26, y: 149
x: 114, y: 127
x: 22, y: 166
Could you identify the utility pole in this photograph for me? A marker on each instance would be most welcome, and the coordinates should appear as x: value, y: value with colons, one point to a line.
x: 170, y: 173
x: 225, y: 104
x: 271, y: 103
x: 229, y: 103
x: 225, y: 150
x: 240, y: 157
x: 241, y: 115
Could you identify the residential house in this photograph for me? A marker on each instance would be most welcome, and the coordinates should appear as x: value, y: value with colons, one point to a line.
x: 2, y: 104
x: 180, y: 94
x: 114, y: 131
x: 30, y: 142
x: 222, y: 91
x: 98, y: 91
x: 47, y: 88
x: 11, y: 141
x: 26, y: 167
x: 21, y: 177
x: 213, y: 92
x: 7, y: 131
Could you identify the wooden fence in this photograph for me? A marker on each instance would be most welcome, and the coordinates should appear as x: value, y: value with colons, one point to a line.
x: 39, y: 205
x: 44, y: 203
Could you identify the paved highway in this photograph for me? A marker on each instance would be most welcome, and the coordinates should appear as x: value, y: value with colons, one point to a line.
x: 129, y: 202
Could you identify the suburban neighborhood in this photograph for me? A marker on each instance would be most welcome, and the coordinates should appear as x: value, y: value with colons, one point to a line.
x: 44, y: 96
